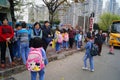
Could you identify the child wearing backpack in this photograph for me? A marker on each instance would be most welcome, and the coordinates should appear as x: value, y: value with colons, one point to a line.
x: 65, y: 39
x: 37, y: 59
x: 58, y: 40
x: 88, y: 55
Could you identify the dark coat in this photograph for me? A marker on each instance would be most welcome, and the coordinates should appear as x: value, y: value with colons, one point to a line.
x: 99, y: 39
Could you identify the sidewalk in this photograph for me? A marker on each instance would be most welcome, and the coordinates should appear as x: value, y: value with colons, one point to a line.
x: 51, y: 54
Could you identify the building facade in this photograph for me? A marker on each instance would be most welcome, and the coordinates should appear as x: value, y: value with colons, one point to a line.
x: 37, y: 14
x: 112, y: 7
x: 5, y: 10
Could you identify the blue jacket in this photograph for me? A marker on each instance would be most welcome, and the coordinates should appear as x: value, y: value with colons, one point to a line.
x: 23, y: 35
x: 88, y: 48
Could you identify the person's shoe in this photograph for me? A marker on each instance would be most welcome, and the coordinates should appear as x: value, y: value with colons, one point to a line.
x: 84, y: 68
x: 2, y: 65
x: 91, y: 70
x: 78, y: 48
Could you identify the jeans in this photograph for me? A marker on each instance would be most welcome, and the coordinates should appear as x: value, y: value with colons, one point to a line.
x: 41, y: 75
x: 65, y: 44
x: 24, y: 51
x: 16, y: 49
x: 57, y: 46
x: 91, y: 61
x: 78, y: 44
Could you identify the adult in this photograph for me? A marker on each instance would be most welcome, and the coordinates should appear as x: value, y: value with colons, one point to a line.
x: 36, y: 32
x: 71, y: 36
x: 47, y: 36
x: 99, y: 41
x: 6, y: 35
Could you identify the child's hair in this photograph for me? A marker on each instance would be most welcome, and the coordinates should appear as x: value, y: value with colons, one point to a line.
x: 17, y: 25
x: 37, y: 42
x: 24, y: 25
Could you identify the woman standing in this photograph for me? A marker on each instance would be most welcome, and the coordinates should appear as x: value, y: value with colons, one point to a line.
x: 6, y: 35
x: 36, y: 32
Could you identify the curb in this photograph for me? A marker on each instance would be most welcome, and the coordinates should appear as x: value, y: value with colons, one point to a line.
x: 6, y: 74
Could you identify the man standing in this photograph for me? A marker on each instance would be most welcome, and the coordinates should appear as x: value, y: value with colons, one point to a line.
x: 99, y: 41
x: 47, y: 36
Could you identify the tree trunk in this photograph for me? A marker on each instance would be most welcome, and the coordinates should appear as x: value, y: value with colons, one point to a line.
x: 51, y: 17
x: 12, y: 12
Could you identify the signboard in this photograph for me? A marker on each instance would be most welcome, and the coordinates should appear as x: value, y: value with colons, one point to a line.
x: 91, y: 23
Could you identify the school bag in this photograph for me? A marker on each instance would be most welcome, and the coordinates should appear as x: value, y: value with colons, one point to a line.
x: 94, y: 50
x: 35, y: 60
x: 66, y: 37
x: 60, y: 38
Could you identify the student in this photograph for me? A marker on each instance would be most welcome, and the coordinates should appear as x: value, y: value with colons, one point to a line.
x: 88, y: 56
x: 38, y: 44
x: 24, y: 42
x: 65, y: 39
x: 79, y: 40
x: 58, y: 40
x: 6, y: 36
x: 111, y: 50
x: 16, y: 42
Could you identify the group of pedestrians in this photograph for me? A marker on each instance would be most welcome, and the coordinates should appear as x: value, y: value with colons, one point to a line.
x: 66, y: 38
x: 22, y: 41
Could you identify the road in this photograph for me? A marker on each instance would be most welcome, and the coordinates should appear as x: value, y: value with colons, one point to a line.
x: 107, y: 67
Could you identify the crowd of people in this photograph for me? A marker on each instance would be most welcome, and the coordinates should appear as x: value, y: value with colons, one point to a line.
x: 21, y: 39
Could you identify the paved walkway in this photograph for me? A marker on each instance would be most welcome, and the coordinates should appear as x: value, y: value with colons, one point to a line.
x: 106, y: 68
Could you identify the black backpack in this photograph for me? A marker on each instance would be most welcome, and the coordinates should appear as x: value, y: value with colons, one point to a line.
x: 94, y: 50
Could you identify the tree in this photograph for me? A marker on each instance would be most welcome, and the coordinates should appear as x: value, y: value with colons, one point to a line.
x: 106, y: 20
x: 12, y: 10
x: 52, y: 6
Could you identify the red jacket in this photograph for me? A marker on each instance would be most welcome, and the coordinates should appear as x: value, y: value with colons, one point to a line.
x: 6, y: 31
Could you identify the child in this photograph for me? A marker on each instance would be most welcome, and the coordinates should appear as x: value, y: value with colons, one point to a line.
x: 79, y: 40
x: 16, y: 43
x: 87, y: 55
x: 65, y: 39
x: 37, y: 43
x: 24, y: 42
x: 111, y: 51
x: 58, y: 40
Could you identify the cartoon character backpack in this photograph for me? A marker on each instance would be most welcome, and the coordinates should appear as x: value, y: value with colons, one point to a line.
x: 60, y: 38
x: 35, y: 60
x: 66, y: 37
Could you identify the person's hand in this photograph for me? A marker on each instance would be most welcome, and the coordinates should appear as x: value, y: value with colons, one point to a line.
x: 8, y: 40
x: 49, y: 36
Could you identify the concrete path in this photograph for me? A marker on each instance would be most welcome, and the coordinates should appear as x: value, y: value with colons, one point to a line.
x: 107, y: 67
